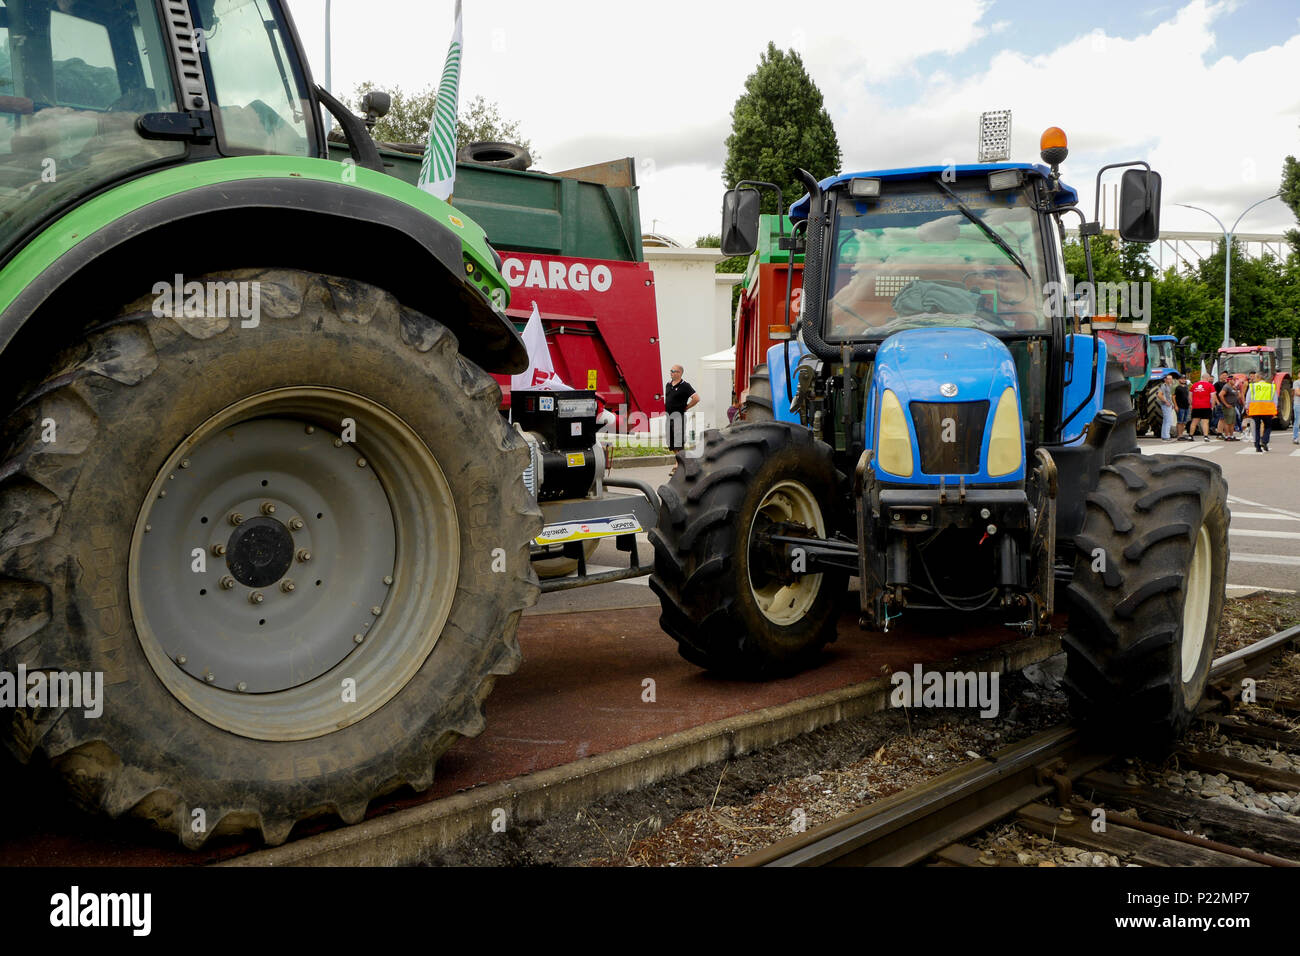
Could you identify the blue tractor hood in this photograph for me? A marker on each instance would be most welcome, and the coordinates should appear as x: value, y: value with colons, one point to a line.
x: 919, y: 366
x: 916, y: 363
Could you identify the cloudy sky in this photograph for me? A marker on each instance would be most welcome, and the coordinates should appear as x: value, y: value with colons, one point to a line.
x: 1208, y: 93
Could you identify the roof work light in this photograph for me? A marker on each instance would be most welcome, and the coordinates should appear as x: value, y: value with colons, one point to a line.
x: 995, y: 136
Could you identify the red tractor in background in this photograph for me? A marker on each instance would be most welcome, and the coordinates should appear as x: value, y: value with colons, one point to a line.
x: 1239, y: 361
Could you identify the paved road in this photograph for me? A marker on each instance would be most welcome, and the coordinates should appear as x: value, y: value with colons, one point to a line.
x: 1263, y: 495
x: 1264, y: 498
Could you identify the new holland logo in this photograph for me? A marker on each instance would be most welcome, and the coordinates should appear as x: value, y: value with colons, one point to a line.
x: 948, y: 390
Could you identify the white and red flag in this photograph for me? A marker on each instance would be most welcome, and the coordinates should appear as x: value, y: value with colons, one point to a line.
x: 540, y: 373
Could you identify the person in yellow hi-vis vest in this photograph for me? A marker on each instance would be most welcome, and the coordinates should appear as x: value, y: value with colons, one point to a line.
x: 1261, y: 405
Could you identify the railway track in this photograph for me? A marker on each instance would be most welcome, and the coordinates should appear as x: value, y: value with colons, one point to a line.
x: 1056, y: 785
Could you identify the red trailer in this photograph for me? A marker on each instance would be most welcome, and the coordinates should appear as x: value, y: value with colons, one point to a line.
x: 601, y: 326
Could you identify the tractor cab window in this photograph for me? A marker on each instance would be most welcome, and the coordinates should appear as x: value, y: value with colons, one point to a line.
x: 912, y: 258
x: 257, y: 98
x: 1243, y: 363
x: 74, y: 77
x: 1164, y: 354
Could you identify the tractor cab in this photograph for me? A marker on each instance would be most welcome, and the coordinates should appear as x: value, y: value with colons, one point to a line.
x: 89, y: 96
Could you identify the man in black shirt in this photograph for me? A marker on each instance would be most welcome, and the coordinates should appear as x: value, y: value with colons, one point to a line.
x: 679, y: 397
x: 1183, y: 400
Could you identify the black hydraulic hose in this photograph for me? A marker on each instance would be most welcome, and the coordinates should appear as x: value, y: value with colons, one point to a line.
x: 813, y: 291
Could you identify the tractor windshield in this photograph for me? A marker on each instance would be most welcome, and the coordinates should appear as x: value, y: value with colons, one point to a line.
x: 1163, y: 354
x: 74, y: 77
x: 1243, y: 363
x: 912, y: 258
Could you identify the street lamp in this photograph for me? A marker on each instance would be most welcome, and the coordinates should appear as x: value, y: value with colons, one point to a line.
x: 1227, y: 255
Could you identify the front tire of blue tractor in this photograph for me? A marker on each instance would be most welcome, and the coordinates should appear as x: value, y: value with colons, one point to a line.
x: 1146, y: 598
x: 298, y: 573
x: 721, y: 601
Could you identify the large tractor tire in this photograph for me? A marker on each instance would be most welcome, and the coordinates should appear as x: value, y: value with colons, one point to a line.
x: 757, y: 406
x: 1153, y: 419
x: 1146, y: 598
x: 297, y: 552
x: 720, y: 600
x: 1285, y: 406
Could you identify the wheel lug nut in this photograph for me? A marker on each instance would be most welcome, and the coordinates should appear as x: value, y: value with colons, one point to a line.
x: 361, y: 463
x: 227, y: 582
x: 268, y: 508
x: 148, y: 528
x: 209, y: 677
x: 388, y: 579
x: 376, y: 610
x: 295, y: 524
x: 357, y: 638
x: 185, y: 463
x: 236, y: 518
x: 286, y: 585
x: 257, y: 597
x: 304, y: 554
x: 163, y: 493
x: 218, y: 549
x: 310, y: 429
x: 338, y: 443
x: 181, y: 659
x: 241, y: 687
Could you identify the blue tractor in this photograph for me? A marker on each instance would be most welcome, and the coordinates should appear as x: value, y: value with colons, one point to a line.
x: 942, y: 432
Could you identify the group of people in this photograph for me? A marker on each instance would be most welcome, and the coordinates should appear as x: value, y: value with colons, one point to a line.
x: 1220, y: 407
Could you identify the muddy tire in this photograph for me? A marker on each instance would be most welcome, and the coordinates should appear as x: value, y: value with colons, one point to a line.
x: 757, y: 406
x: 1146, y: 598
x: 155, y: 413
x: 726, y: 612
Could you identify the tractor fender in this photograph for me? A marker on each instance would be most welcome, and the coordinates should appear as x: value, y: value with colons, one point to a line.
x: 284, y: 221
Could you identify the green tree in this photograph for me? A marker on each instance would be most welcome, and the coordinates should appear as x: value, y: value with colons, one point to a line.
x: 1126, y: 262
x: 407, y: 121
x: 1290, y: 190
x: 778, y: 125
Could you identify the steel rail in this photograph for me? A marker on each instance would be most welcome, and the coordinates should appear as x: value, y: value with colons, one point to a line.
x: 910, y: 826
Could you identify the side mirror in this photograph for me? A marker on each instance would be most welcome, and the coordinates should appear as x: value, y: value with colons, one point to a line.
x: 1139, y: 206
x: 375, y: 105
x: 740, y: 222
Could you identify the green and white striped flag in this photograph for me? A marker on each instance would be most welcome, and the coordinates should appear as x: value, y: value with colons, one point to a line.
x: 438, y: 171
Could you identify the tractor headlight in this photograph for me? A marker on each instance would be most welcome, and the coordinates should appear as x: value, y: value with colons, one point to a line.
x: 893, y: 438
x: 1006, y: 445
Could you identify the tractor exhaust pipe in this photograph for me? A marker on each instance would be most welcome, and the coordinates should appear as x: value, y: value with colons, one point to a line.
x: 1099, y: 429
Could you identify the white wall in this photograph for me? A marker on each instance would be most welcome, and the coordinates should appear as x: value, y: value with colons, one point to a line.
x: 694, y: 321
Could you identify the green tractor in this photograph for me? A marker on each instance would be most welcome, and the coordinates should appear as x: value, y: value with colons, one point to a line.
x: 254, y: 473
